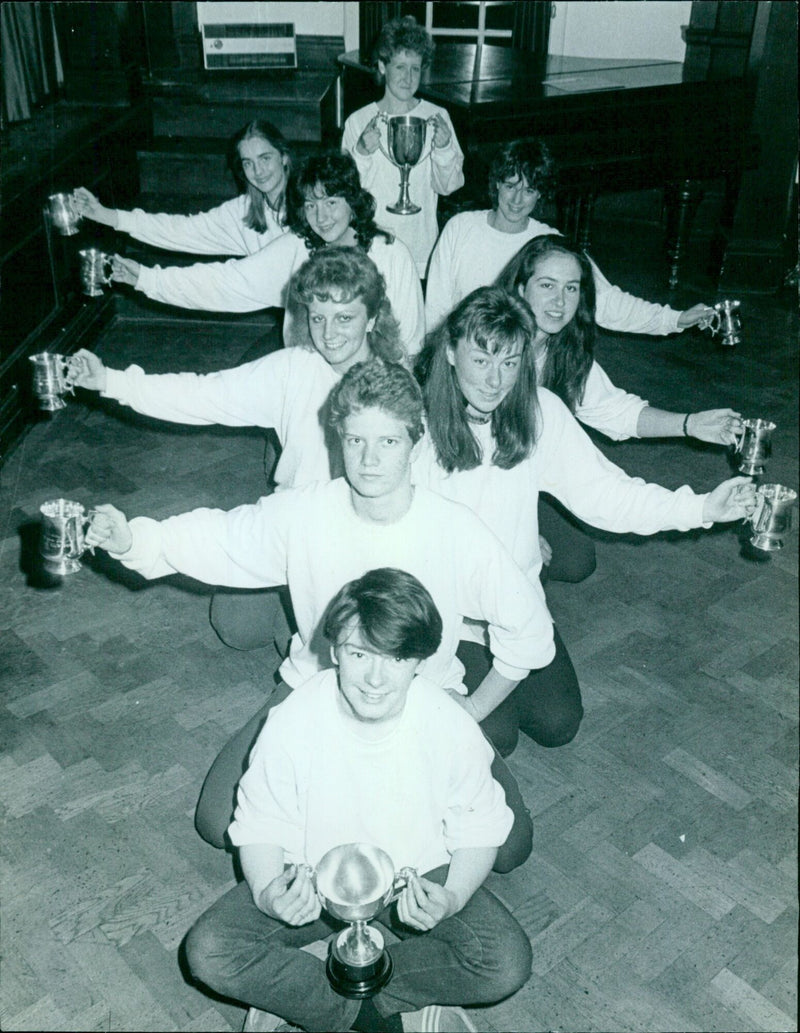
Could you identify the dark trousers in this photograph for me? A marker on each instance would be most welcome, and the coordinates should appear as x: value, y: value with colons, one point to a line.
x: 478, y: 956
x: 546, y: 705
x: 574, y: 557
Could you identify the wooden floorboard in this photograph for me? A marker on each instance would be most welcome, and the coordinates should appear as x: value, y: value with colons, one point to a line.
x: 661, y: 892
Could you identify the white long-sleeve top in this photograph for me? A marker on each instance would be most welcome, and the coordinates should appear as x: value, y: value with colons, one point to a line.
x: 312, y: 540
x: 420, y: 792
x: 285, y: 390
x: 439, y: 171
x: 604, y: 406
x: 566, y: 464
x: 471, y: 254
x: 219, y: 231
x: 261, y: 281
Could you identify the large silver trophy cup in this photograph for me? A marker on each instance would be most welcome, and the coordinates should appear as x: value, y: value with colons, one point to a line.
x: 405, y: 137
x: 354, y: 883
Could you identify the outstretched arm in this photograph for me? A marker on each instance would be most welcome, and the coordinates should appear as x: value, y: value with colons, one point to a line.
x: 89, y: 207
x: 717, y: 426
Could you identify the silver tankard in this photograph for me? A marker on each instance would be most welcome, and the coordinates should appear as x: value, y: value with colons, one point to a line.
x: 772, y: 517
x: 62, y: 542
x: 727, y: 322
x: 754, y: 446
x: 405, y: 137
x: 93, y: 271
x: 354, y: 883
x: 52, y: 378
x: 63, y: 214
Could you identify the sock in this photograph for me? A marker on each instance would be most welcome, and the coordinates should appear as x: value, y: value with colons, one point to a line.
x: 370, y: 1020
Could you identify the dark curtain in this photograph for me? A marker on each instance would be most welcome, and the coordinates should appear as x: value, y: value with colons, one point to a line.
x: 371, y: 19
x: 532, y: 27
x: 31, y: 61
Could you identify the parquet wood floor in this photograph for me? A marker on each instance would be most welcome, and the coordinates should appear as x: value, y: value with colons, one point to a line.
x: 661, y: 893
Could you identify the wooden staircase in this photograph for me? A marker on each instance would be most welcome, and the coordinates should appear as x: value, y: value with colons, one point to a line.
x: 195, y: 115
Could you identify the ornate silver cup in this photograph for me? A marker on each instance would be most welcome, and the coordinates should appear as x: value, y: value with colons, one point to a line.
x: 354, y: 883
x: 93, y: 271
x: 62, y: 541
x: 772, y: 517
x: 405, y: 137
x: 755, y: 446
x: 51, y: 380
x: 63, y: 214
x: 727, y: 322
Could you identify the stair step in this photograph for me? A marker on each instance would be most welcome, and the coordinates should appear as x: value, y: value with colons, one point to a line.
x: 194, y: 174
x: 194, y: 166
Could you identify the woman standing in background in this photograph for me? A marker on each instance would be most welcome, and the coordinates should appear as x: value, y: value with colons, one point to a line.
x: 403, y: 50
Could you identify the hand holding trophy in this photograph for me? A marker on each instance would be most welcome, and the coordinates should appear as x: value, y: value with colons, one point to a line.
x: 405, y: 139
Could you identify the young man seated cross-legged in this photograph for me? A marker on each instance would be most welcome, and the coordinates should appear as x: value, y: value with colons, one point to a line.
x: 368, y: 752
x: 318, y: 538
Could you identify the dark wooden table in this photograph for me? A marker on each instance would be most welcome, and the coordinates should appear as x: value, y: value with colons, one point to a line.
x: 612, y: 125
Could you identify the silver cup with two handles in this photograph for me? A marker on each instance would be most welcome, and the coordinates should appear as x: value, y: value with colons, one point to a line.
x: 355, y: 882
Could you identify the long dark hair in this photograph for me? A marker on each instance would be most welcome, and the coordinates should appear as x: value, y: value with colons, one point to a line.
x: 494, y: 320
x: 570, y: 352
x: 337, y: 174
x: 255, y: 217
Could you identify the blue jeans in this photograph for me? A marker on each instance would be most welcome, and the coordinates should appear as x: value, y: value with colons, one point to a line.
x: 214, y: 811
x: 477, y: 956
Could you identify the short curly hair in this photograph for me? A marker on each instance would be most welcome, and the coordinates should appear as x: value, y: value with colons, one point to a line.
x: 335, y: 172
x: 403, y: 34
x: 341, y: 274
x: 376, y: 384
x: 530, y: 160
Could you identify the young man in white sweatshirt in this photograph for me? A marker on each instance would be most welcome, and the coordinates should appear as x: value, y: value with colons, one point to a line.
x: 317, y: 538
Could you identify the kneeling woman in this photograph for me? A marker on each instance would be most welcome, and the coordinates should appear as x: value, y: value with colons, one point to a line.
x: 493, y: 443
x: 555, y: 277
x: 326, y: 206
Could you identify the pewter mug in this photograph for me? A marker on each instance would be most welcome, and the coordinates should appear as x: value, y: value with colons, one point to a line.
x: 754, y: 446
x: 727, y: 322
x: 355, y: 882
x: 63, y: 214
x: 62, y: 541
x: 772, y: 517
x: 405, y: 136
x: 93, y: 271
x: 51, y: 380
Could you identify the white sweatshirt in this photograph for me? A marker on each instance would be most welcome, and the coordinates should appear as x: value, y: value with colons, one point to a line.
x: 420, y: 792
x: 470, y: 254
x: 607, y: 408
x: 439, y: 171
x: 312, y: 540
x: 285, y: 390
x: 566, y: 464
x: 219, y: 231
x: 261, y: 281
